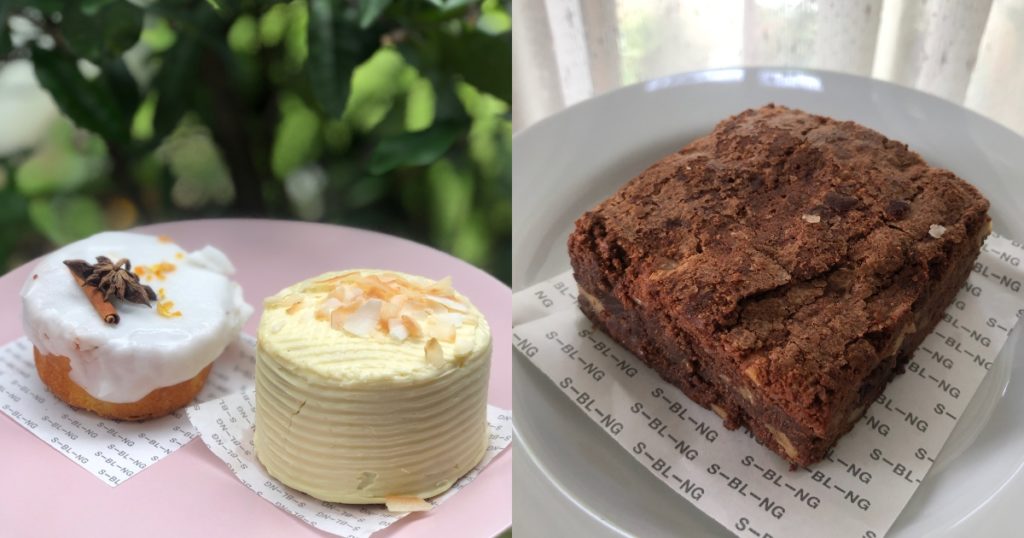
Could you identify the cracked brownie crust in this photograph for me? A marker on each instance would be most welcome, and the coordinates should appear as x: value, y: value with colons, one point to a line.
x: 780, y: 270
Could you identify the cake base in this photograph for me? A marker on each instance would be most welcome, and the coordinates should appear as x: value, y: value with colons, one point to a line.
x: 55, y: 370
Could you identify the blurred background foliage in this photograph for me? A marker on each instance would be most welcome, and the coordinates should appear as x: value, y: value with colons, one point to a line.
x: 384, y: 114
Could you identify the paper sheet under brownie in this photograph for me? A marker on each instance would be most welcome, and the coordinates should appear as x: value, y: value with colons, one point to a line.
x: 861, y: 487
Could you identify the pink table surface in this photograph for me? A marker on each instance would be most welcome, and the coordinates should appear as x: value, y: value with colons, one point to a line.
x: 191, y: 492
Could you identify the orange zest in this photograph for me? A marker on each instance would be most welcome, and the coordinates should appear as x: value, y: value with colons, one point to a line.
x: 166, y: 309
x: 157, y: 271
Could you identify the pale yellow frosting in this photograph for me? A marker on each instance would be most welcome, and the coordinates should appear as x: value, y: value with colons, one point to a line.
x: 358, y: 419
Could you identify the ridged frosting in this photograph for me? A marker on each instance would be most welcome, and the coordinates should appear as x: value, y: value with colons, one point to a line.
x: 203, y: 312
x: 360, y: 418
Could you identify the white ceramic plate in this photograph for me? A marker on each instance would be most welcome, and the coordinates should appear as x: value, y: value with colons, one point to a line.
x: 571, y: 478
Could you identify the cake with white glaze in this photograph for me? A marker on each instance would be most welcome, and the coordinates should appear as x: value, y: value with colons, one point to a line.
x: 371, y: 387
x: 155, y: 359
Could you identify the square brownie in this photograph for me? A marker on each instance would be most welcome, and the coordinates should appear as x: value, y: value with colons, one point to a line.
x: 780, y: 270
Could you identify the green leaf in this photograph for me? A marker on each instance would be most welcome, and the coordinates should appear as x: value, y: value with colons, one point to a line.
x: 92, y: 7
x: 450, y: 200
x: 297, y: 139
x: 369, y: 10
x: 121, y: 83
x: 158, y: 34
x: 201, y: 176
x: 273, y: 24
x: 495, y: 22
x: 65, y: 161
x: 336, y: 47
x: 63, y: 220
x: 92, y: 104
x: 13, y: 224
x: 99, y: 30
x: 46, y: 6
x: 366, y: 191
x: 338, y: 135
x: 425, y: 57
x: 177, y: 73
x: 12, y: 209
x: 472, y: 241
x: 243, y: 36
x: 142, y: 121
x: 296, y: 36
x: 413, y: 149
x: 376, y: 86
x: 5, y: 31
x: 482, y: 60
x: 448, y: 5
x: 55, y: 170
x: 419, y: 105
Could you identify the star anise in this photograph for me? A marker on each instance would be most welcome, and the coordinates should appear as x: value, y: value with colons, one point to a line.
x: 113, y: 279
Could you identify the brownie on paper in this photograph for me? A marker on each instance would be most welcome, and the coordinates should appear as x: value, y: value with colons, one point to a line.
x: 780, y: 270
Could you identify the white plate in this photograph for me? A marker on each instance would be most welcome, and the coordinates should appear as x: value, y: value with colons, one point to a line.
x: 571, y: 478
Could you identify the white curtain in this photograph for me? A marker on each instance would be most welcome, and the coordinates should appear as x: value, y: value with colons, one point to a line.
x: 967, y: 51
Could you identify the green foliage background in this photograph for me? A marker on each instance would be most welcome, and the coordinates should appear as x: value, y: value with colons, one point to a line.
x: 383, y: 114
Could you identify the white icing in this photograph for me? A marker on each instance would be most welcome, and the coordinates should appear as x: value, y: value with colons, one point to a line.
x: 145, y: 351
x: 212, y: 259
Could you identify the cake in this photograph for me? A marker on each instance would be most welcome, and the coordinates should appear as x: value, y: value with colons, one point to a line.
x: 780, y: 270
x: 127, y: 325
x: 371, y: 387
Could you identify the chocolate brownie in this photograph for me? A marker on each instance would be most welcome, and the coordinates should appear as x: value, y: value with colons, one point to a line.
x: 780, y: 270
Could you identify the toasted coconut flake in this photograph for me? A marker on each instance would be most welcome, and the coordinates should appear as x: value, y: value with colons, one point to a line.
x: 936, y: 230
x: 275, y: 328
x: 441, y: 328
x: 332, y: 279
x: 451, y: 304
x: 294, y: 307
x: 441, y: 287
x: 338, y: 317
x: 365, y: 319
x: 411, y: 325
x: 406, y: 504
x: 811, y: 219
x: 321, y: 287
x: 330, y: 304
x: 434, y: 353
x: 397, y: 329
x: 346, y: 293
x: 389, y: 311
x: 402, y: 309
x: 413, y: 310
x: 453, y: 318
x: 282, y: 301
